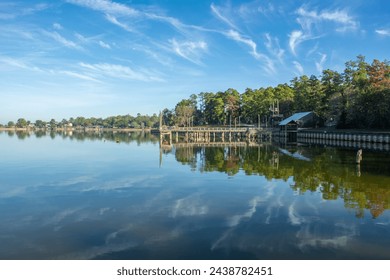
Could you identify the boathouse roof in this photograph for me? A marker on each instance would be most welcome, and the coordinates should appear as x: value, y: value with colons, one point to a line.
x: 294, y: 118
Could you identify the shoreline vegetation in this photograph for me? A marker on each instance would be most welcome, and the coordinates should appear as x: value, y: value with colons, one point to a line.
x: 356, y: 99
x: 86, y: 129
x: 149, y: 129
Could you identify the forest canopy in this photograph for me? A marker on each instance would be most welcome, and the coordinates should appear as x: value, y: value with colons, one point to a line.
x: 359, y: 97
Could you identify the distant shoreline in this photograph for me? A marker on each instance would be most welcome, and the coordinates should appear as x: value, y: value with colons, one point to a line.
x: 74, y: 129
x: 326, y: 130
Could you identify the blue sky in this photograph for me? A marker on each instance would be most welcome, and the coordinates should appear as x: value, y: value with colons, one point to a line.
x: 61, y: 59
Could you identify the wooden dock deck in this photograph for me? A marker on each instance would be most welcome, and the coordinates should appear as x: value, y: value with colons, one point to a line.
x: 170, y: 135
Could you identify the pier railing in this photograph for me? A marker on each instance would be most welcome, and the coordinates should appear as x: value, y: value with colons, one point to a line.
x: 207, y: 129
x: 213, y: 134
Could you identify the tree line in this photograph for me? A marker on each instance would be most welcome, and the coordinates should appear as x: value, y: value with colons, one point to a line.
x: 359, y: 97
x: 120, y: 121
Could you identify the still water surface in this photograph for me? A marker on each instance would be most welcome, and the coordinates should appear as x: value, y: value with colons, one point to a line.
x: 89, y: 197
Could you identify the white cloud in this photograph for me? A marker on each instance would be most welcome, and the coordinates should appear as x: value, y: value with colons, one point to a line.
x: 299, y: 67
x: 232, y: 34
x: 170, y: 20
x: 320, y: 64
x: 383, y: 32
x: 106, y: 6
x: 251, y: 10
x: 13, y: 10
x: 273, y: 47
x: 25, y: 65
x: 120, y: 72
x: 340, y: 17
x: 269, y: 65
x: 17, y: 63
x: 81, y: 37
x: 36, y: 8
x: 312, y: 50
x: 13, y: 62
x: 266, y: 10
x: 218, y: 14
x: 57, y: 26
x: 62, y: 40
x: 157, y: 56
x: 104, y: 45
x: 92, y: 40
x: 296, y: 38
x: 189, y: 50
x: 115, y: 21
x: 80, y: 76
x: 114, y: 10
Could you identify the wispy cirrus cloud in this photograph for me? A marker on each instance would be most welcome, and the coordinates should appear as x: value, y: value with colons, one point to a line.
x: 232, y: 34
x: 92, y: 40
x: 383, y: 32
x: 312, y: 50
x: 17, y: 63
x: 106, y: 6
x: 104, y: 45
x: 113, y: 10
x: 341, y: 18
x: 218, y: 14
x: 224, y: 14
x: 268, y: 63
x: 13, y: 10
x: 116, y: 22
x: 63, y: 41
x: 299, y: 67
x: 80, y: 76
x: 311, y: 20
x: 273, y: 47
x: 120, y: 72
x: 189, y: 50
x: 57, y: 26
x: 157, y: 56
x: 174, y: 22
x: 24, y: 64
x: 250, y: 11
x: 295, y: 39
x: 320, y: 63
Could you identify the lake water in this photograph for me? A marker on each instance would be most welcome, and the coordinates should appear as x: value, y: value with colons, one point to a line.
x: 119, y: 196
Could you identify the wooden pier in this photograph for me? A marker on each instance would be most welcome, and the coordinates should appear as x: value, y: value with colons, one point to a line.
x: 207, y: 135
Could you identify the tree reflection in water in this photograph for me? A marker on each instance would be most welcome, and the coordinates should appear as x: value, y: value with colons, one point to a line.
x: 331, y: 171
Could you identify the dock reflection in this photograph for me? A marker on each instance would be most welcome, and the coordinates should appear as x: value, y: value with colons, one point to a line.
x: 331, y: 171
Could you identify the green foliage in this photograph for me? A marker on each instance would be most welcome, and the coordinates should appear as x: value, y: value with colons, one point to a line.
x: 126, y: 121
x: 40, y: 124
x: 21, y: 123
x: 356, y: 98
x: 184, y: 111
x: 53, y: 123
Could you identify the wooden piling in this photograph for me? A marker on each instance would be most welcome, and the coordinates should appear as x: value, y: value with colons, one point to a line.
x: 359, y: 156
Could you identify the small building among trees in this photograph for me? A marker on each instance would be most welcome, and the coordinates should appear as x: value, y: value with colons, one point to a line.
x: 291, y: 125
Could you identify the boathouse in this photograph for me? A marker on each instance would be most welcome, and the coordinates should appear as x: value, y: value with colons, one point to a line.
x: 289, y: 127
